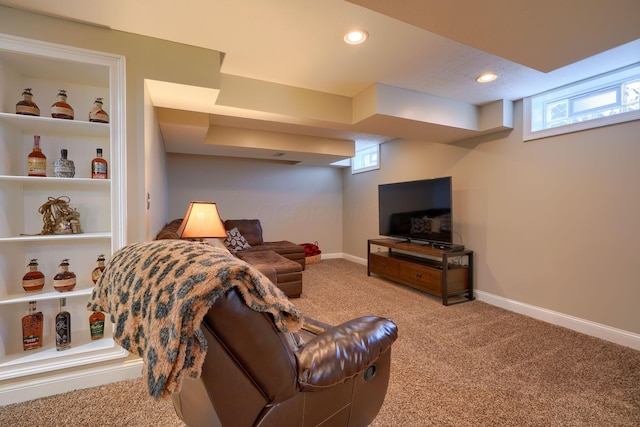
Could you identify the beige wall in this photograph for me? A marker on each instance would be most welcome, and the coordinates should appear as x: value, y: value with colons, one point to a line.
x: 296, y: 203
x: 554, y: 222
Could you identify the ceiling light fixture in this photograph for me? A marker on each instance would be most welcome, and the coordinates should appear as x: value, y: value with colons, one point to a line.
x: 486, y: 78
x: 356, y: 36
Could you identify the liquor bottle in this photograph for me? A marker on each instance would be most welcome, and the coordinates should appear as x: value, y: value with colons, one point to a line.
x: 97, y: 272
x: 34, y: 279
x: 63, y: 167
x: 97, y: 114
x: 65, y: 280
x: 99, y: 166
x: 60, y: 109
x: 63, y: 327
x: 96, y: 325
x: 32, y: 328
x: 36, y: 161
x: 27, y: 107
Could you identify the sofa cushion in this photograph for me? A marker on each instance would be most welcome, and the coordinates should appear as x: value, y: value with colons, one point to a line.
x: 251, y: 229
x: 288, y: 273
x: 235, y: 241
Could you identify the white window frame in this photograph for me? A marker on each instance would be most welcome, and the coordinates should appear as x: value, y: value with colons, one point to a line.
x: 360, y: 162
x: 534, y: 106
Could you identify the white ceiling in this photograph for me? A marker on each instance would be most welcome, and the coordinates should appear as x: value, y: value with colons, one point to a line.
x: 432, y: 47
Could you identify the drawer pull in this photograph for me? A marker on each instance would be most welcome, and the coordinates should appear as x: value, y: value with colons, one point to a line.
x: 384, y: 264
x: 419, y: 275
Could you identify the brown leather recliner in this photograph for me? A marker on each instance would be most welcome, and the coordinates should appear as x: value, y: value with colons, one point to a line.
x: 254, y: 375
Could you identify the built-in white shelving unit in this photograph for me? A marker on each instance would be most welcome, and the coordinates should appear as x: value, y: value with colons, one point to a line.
x: 85, y: 75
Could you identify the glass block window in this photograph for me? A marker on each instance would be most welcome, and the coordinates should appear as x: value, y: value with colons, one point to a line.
x: 600, y: 101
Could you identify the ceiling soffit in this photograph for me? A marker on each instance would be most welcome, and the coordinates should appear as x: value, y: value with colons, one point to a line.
x: 263, y: 109
x: 543, y: 34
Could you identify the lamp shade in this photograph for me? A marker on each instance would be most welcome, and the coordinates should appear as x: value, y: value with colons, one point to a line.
x: 202, y: 221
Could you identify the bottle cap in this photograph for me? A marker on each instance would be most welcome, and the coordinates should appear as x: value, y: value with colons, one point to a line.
x: 63, y: 153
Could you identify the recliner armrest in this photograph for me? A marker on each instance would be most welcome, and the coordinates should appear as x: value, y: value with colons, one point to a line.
x: 314, y: 326
x: 344, y: 351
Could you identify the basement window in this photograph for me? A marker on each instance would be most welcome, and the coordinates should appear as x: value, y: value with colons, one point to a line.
x: 367, y: 157
x: 600, y: 101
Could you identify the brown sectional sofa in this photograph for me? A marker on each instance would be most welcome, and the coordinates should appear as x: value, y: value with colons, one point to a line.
x: 286, y: 258
x: 282, y: 261
x: 251, y: 230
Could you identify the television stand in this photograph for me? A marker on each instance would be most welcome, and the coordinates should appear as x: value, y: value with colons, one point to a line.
x: 423, y: 267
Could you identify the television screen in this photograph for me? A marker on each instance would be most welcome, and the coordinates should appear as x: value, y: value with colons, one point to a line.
x: 417, y: 210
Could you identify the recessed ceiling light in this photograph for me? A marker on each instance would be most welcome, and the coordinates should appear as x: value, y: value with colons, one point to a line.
x: 486, y: 78
x: 356, y: 36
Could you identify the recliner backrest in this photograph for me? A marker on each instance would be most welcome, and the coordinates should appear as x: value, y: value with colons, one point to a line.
x: 251, y: 338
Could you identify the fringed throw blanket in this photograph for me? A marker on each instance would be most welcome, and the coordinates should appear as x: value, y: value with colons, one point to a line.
x: 157, y: 294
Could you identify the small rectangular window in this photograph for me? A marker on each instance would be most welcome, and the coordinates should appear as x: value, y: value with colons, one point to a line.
x: 600, y: 101
x: 367, y: 158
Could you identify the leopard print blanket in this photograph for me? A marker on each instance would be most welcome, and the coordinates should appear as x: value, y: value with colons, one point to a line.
x: 157, y: 294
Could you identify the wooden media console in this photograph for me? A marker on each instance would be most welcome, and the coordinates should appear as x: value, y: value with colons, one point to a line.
x: 424, y: 267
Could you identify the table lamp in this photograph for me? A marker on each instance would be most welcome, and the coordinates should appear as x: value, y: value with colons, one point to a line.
x: 202, y: 221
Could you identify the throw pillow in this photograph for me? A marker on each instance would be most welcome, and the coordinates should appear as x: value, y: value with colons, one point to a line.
x: 420, y: 225
x: 445, y: 224
x: 435, y: 224
x: 235, y: 241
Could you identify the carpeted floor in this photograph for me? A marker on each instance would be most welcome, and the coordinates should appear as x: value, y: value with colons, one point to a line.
x: 469, y: 364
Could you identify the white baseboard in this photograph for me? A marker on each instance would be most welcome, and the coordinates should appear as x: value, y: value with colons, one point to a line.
x: 48, y: 385
x: 617, y: 336
x: 587, y: 327
x: 348, y: 257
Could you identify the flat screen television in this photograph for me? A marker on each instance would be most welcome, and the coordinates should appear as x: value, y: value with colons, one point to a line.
x: 417, y: 210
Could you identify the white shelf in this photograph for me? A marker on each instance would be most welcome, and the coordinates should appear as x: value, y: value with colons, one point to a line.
x: 37, y: 180
x: 56, y: 237
x: 83, y: 350
x: 55, y: 127
x: 45, y: 294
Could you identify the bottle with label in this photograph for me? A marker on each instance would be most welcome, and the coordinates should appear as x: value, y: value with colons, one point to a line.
x: 99, y: 167
x: 63, y: 167
x: 65, y: 280
x: 60, y: 109
x: 97, y: 114
x: 97, y: 272
x: 96, y: 325
x: 36, y: 161
x: 32, y: 328
x: 34, y: 279
x: 63, y: 327
x: 27, y: 107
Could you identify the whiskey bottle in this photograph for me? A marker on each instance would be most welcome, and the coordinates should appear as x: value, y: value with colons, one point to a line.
x: 99, y: 166
x: 63, y: 167
x: 97, y: 272
x: 65, y: 280
x: 34, y: 279
x: 97, y: 114
x: 32, y: 328
x: 63, y: 327
x: 96, y: 325
x: 36, y: 161
x: 60, y: 109
x: 27, y: 107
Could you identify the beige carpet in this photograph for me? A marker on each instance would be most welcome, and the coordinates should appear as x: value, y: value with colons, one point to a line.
x: 469, y: 364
